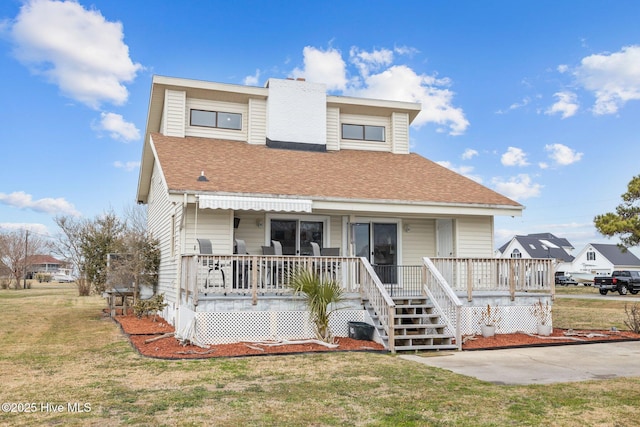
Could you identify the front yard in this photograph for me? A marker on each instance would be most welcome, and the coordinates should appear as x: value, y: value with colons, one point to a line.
x: 59, y: 351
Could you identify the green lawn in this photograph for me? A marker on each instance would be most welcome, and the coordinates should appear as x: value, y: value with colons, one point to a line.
x: 58, y: 349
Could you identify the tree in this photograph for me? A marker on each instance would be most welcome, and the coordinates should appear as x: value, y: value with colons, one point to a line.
x: 625, y: 222
x: 67, y: 245
x: 15, y: 249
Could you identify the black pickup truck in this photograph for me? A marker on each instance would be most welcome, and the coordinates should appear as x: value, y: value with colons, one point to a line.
x: 622, y: 281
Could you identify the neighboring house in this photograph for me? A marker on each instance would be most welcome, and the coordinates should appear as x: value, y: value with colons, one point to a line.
x: 602, y: 259
x: 43, y: 264
x: 539, y: 245
x: 246, y: 183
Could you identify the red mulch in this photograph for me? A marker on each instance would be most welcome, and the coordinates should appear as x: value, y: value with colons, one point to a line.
x: 140, y: 330
x: 145, y: 328
x: 478, y: 342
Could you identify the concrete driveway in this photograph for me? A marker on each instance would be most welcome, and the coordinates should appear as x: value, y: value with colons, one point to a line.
x: 541, y: 365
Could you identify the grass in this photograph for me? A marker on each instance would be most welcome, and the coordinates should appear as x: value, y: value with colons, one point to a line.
x: 58, y: 348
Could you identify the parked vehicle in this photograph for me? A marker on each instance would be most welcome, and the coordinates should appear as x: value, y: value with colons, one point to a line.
x: 622, y: 281
x: 563, y: 280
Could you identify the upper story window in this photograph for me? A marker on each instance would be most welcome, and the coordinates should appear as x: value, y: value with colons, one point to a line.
x: 591, y: 256
x: 516, y: 254
x: 216, y: 119
x: 363, y: 132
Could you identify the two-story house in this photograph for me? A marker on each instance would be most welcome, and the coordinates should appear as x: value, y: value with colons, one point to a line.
x: 244, y: 183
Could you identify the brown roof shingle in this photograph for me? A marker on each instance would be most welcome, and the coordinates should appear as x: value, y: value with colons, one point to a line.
x: 238, y: 167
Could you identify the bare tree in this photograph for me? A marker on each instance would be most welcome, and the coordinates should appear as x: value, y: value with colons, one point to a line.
x: 67, y: 246
x: 16, y: 247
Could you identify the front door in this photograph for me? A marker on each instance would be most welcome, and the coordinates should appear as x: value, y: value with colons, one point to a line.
x: 378, y: 242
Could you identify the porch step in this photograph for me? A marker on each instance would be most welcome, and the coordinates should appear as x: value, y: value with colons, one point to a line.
x: 417, y: 326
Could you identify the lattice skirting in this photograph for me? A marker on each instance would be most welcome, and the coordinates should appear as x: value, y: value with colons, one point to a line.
x: 512, y: 319
x: 230, y: 327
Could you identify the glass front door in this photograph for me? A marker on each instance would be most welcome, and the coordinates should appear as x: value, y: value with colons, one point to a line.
x: 378, y: 242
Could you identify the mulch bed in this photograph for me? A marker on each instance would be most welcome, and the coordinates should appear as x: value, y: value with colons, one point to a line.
x: 142, y: 329
x: 557, y: 337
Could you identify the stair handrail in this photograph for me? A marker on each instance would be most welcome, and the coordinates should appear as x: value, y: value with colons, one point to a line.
x: 443, y: 298
x: 379, y: 298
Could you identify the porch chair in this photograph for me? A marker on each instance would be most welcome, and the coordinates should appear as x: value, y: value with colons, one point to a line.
x: 277, y: 247
x: 205, y: 247
x: 315, y: 249
x: 241, y: 247
x: 241, y: 268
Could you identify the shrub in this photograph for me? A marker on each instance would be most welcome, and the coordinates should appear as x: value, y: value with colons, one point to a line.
x: 633, y: 317
x: 145, y: 307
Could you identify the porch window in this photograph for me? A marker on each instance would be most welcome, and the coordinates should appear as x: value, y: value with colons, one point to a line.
x: 363, y: 132
x: 296, y: 236
x: 216, y: 119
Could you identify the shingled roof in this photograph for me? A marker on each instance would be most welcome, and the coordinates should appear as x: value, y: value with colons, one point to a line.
x: 238, y: 167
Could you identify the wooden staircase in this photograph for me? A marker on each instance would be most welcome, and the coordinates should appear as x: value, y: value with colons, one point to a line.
x: 417, y: 326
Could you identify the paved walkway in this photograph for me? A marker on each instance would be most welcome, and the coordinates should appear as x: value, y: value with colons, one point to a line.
x: 541, y: 365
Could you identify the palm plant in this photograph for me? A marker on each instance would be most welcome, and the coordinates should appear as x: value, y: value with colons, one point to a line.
x: 322, y: 297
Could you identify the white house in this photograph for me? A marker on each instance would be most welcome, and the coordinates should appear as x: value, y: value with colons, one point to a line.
x: 244, y: 183
x: 539, y: 245
x: 602, y: 259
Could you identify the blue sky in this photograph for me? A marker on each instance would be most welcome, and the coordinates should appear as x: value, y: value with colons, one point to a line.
x: 539, y: 100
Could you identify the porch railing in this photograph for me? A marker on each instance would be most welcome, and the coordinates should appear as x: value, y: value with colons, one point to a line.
x: 442, y: 296
x: 372, y: 288
x: 470, y: 275
x: 204, y: 275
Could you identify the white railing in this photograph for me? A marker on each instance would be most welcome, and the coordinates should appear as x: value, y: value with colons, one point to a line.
x: 373, y: 289
x: 204, y: 275
x: 443, y: 298
x: 497, y: 274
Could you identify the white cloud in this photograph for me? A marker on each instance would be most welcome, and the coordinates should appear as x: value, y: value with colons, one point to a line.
x: 22, y: 200
x: 118, y: 128
x: 369, y: 61
x: 376, y: 77
x: 518, y: 187
x: 462, y: 170
x: 563, y: 68
x: 562, y: 155
x: 15, y: 226
x: 516, y: 105
x: 76, y: 49
x: 252, y: 80
x: 128, y: 166
x: 565, y: 105
x: 469, y: 153
x: 613, y: 78
x: 514, y: 157
x: 401, y: 83
x: 326, y: 67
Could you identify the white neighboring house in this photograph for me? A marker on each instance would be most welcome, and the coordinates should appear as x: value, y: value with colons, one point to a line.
x: 242, y: 184
x: 597, y: 259
x: 539, y: 245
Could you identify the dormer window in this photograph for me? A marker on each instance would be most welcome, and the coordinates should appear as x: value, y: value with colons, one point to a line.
x: 363, y: 132
x: 216, y: 119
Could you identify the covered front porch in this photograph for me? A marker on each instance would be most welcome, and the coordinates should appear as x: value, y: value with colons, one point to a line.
x: 247, y: 297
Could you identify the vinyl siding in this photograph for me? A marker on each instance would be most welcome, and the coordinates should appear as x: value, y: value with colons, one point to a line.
x: 333, y: 129
x: 215, y: 225
x: 226, y: 107
x: 159, y: 214
x: 174, y: 112
x: 475, y: 236
x: 419, y: 242
x: 400, y: 133
x: 248, y: 230
x: 352, y: 119
x: 257, y: 122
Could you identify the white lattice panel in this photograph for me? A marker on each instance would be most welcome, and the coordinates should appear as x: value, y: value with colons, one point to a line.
x: 230, y: 327
x: 512, y: 319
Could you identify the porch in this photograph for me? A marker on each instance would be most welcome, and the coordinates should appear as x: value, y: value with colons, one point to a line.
x: 226, y: 298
